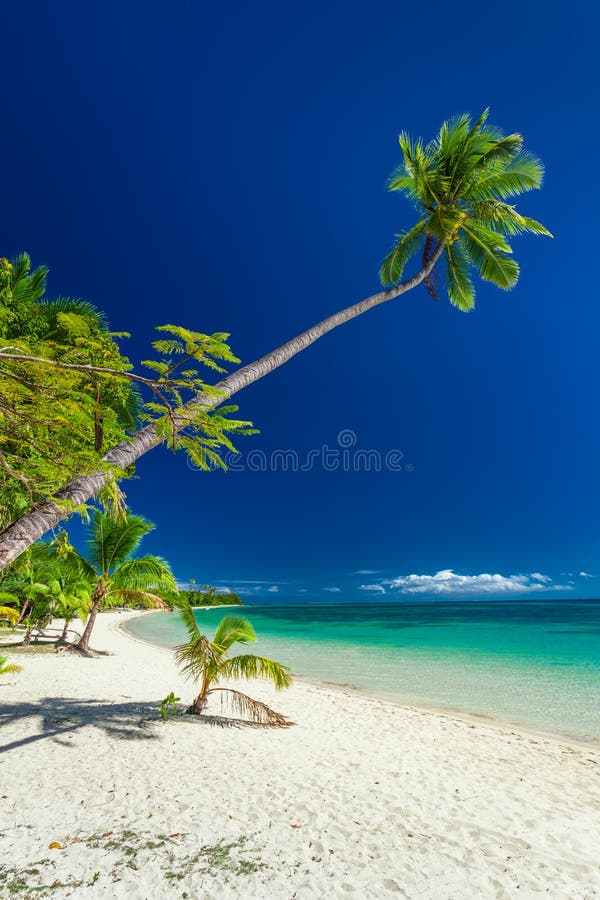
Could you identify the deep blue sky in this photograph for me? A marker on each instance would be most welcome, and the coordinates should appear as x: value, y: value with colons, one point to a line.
x: 223, y: 166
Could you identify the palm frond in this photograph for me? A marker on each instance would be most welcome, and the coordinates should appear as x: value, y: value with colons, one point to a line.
x: 141, y: 599
x: 111, y: 542
x: 405, y: 247
x: 499, y: 149
x: 27, y: 286
x: 231, y: 630
x: 461, y: 290
x: 504, y: 218
x: 197, y: 658
x: 488, y: 251
x: 524, y: 173
x: 249, y: 666
x: 187, y: 617
x: 445, y: 221
x: 131, y: 408
x: 534, y: 227
x: 52, y: 309
x: 248, y: 708
x: 143, y: 573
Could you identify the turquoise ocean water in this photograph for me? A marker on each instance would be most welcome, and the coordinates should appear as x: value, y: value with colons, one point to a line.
x: 534, y: 662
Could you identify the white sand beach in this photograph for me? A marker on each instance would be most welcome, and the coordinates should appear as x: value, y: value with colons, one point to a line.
x: 361, y: 798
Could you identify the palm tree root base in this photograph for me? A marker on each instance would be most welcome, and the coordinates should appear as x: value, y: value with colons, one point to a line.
x: 87, y: 652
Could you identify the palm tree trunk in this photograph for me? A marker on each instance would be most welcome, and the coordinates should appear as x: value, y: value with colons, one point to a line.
x: 15, y: 539
x: 24, y: 612
x: 83, y: 644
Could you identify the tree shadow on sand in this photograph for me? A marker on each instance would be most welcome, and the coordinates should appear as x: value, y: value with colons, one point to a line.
x: 57, y: 717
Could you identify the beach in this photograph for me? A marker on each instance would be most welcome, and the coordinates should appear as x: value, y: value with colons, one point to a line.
x: 359, y: 798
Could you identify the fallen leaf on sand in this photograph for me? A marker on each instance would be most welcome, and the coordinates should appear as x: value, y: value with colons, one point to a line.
x: 54, y: 846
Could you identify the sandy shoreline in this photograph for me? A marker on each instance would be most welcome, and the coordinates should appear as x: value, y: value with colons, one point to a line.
x: 463, y: 715
x: 361, y: 798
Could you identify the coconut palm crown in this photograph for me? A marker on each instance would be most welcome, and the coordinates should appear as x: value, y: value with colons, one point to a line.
x: 460, y: 184
x: 120, y: 577
x: 208, y: 662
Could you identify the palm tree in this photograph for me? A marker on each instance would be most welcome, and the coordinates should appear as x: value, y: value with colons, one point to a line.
x: 208, y: 662
x: 71, y: 595
x: 118, y: 576
x: 460, y: 183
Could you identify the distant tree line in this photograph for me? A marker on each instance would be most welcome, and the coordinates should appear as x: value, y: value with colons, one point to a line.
x: 209, y: 596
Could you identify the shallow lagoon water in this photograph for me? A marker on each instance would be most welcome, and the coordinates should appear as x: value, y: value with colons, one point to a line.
x: 532, y: 662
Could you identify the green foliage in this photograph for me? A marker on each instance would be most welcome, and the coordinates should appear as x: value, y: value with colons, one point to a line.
x: 8, y: 602
x: 54, y: 422
x: 169, y: 705
x: 121, y: 578
x: 45, y: 583
x: 67, y: 393
x: 459, y: 183
x: 209, y: 596
x: 201, y: 432
x: 8, y: 668
x: 208, y: 662
x: 53, y: 580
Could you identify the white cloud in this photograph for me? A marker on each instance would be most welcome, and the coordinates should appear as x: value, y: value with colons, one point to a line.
x: 373, y: 587
x: 585, y: 575
x: 274, y: 589
x: 333, y: 590
x: 303, y: 590
x: 537, y: 576
x: 366, y: 572
x: 449, y: 582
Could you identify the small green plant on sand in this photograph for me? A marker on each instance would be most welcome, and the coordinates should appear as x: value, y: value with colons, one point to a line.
x: 7, y: 667
x: 169, y: 705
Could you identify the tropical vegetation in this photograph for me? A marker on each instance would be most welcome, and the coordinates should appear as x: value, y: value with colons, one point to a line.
x: 209, y: 596
x: 208, y: 663
x: 461, y: 183
x: 67, y: 394
x: 118, y: 576
x: 53, y: 580
x: 8, y: 668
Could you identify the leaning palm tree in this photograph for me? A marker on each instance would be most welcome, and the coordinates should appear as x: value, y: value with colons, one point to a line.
x: 208, y: 662
x: 119, y: 577
x: 461, y: 184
